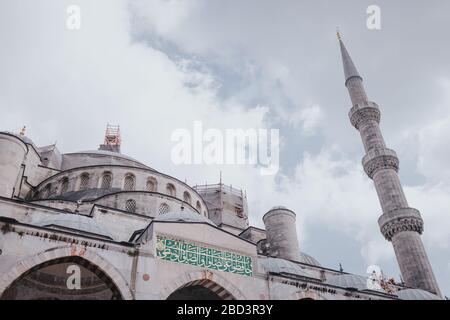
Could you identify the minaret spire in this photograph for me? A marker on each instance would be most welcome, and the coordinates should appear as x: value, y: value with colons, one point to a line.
x: 399, y: 223
x: 350, y: 70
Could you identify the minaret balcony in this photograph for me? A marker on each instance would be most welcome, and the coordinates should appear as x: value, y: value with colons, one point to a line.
x: 399, y: 220
x: 361, y: 113
x: 380, y: 158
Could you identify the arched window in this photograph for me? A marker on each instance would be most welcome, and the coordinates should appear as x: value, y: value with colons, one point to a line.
x: 151, y: 184
x: 187, y: 197
x: 129, y: 183
x: 163, y: 208
x: 47, y: 191
x: 170, y: 190
x: 106, y: 180
x: 130, y: 205
x: 84, y: 181
x: 64, y: 185
x: 198, y: 206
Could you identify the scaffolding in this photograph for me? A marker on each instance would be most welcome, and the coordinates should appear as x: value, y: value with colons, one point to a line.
x: 227, y: 205
x: 112, y: 135
x: 112, y: 139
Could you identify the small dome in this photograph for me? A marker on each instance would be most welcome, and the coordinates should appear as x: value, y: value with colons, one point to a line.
x: 184, y: 216
x: 306, y: 258
x: 348, y: 281
x: 281, y: 266
x: 25, y: 139
x: 74, y: 223
x: 278, y: 208
x: 416, y: 294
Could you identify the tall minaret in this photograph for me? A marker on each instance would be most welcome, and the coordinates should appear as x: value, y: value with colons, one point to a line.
x: 399, y: 223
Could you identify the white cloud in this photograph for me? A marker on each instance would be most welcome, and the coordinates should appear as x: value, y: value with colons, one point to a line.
x: 66, y: 85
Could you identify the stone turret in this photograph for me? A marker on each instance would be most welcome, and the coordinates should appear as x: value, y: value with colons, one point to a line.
x: 399, y: 223
x: 281, y: 234
x: 12, y: 155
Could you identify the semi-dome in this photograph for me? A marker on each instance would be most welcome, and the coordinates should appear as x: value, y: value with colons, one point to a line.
x: 24, y: 138
x: 307, y: 259
x: 282, y: 266
x: 184, y: 216
x: 348, y: 281
x: 416, y: 294
x: 75, y: 223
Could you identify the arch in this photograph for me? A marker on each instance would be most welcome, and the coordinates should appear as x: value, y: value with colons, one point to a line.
x: 129, y: 183
x: 130, y: 205
x: 187, y: 197
x: 198, y: 206
x: 170, y: 190
x: 305, y: 295
x: 106, y: 180
x: 47, y: 191
x: 151, y: 184
x: 64, y: 185
x: 27, y: 264
x: 216, y: 283
x: 84, y: 181
x: 163, y: 208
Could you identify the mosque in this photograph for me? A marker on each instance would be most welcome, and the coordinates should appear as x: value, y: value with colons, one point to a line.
x: 100, y: 225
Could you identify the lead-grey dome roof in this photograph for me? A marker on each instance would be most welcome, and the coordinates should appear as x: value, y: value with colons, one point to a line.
x: 348, y: 281
x: 416, y: 294
x: 184, y: 216
x: 75, y: 222
x: 282, y: 266
x: 105, y: 153
x: 306, y: 258
x: 107, y: 158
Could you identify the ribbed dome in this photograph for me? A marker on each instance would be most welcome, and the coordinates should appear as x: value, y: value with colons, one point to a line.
x: 184, y: 216
x: 416, y: 294
x: 282, y: 266
x: 348, y: 281
x: 74, y: 223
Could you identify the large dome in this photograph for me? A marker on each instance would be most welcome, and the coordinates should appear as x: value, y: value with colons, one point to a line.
x: 99, y: 157
x: 75, y: 223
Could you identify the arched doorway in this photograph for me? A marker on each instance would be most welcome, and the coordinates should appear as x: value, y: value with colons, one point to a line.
x: 201, y: 290
x: 65, y: 278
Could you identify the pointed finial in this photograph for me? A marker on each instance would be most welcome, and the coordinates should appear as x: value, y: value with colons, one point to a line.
x: 338, y: 33
x: 22, y: 132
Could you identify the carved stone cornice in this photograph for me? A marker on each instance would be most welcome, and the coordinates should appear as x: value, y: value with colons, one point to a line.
x: 364, y: 113
x: 380, y: 158
x: 400, y: 220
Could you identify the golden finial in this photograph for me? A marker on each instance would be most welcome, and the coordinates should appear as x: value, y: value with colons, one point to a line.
x: 22, y: 132
x: 338, y: 34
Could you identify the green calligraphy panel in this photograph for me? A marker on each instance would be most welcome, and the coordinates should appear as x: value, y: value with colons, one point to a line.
x: 190, y: 253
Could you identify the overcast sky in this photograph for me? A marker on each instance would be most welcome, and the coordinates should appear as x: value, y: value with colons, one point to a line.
x: 156, y: 66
